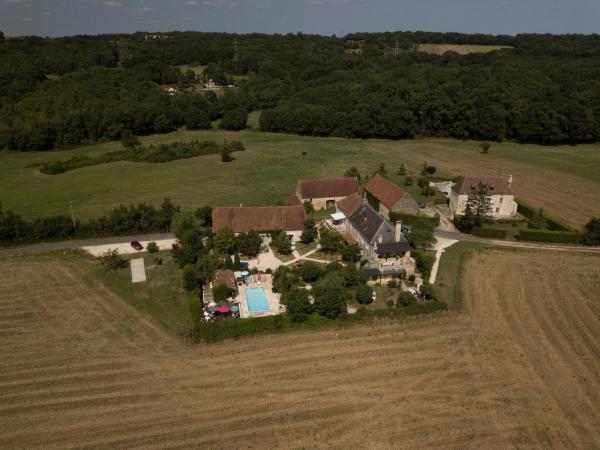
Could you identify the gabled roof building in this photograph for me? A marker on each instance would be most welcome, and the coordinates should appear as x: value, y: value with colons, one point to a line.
x: 325, y: 192
x: 262, y: 218
x: 388, y: 196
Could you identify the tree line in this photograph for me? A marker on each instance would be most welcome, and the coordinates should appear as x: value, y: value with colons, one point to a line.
x: 543, y: 90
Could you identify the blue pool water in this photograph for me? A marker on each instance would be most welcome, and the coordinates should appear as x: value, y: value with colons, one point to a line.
x: 256, y: 298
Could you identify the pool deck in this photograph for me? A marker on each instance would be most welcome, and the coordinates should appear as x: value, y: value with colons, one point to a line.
x: 272, y: 297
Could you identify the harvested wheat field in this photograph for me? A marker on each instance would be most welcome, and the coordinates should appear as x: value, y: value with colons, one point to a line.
x: 461, y: 49
x: 566, y: 196
x: 517, y: 366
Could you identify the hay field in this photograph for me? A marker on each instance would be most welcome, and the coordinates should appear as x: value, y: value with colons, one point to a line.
x: 572, y: 196
x: 440, y: 49
x: 516, y: 366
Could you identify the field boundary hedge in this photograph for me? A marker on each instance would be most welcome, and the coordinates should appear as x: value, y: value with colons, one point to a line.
x: 411, y: 218
x: 529, y: 212
x: 495, y: 233
x: 563, y: 237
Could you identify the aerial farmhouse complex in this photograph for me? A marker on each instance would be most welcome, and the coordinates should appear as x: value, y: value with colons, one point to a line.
x: 389, y: 197
x: 324, y: 193
x: 502, y: 199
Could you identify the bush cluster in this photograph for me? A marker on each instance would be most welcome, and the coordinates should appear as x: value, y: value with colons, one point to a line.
x: 152, y: 154
x: 563, y: 237
x: 494, y: 233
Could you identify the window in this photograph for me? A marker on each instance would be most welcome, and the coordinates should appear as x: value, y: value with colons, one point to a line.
x: 501, y: 199
x: 497, y: 209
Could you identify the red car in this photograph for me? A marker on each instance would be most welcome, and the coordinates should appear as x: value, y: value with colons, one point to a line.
x: 136, y: 245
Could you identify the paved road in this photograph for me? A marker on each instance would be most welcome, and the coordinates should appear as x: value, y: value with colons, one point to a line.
x: 49, y: 246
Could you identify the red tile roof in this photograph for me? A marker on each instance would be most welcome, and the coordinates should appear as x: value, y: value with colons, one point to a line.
x: 385, y: 191
x: 350, y: 240
x: 495, y: 185
x: 350, y: 204
x: 226, y: 277
x: 291, y: 200
x: 328, y: 187
x: 287, y: 218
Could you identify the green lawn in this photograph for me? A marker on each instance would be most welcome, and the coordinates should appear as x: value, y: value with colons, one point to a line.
x: 448, y: 278
x: 161, y: 297
x: 262, y: 175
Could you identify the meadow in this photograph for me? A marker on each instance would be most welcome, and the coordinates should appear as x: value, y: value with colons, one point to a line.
x: 564, y: 180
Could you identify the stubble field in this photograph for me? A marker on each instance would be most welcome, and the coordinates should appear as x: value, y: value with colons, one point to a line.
x: 516, y: 365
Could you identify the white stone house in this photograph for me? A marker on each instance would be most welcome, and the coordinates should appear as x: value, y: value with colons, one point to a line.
x: 503, y: 203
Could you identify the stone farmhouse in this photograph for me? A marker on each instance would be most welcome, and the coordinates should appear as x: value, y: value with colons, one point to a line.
x: 503, y: 203
x: 325, y: 192
x: 390, y: 197
x: 262, y: 219
x: 382, y: 243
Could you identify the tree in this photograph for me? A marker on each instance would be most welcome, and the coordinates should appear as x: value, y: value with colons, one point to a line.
x: 466, y: 222
x: 249, y: 243
x: 197, y: 119
x: 225, y: 155
x: 298, y: 304
x: 191, y: 278
x: 402, y: 170
x: 111, y: 260
x: 480, y: 203
x: 353, y: 172
x: 310, y: 271
x: 591, y: 235
x: 283, y: 280
x: 485, y: 147
x: 222, y: 292
x: 354, y: 277
x: 427, y: 291
x: 330, y: 296
x: 381, y: 170
x: 281, y: 243
x: 152, y: 247
x: 405, y: 298
x: 538, y: 220
x: 204, y: 215
x: 331, y: 241
x: 408, y: 181
x: 224, y: 241
x: 308, y: 207
x: 427, y: 169
x: 364, y: 294
x: 234, y: 120
x: 310, y: 232
x: 351, y: 253
x: 129, y: 140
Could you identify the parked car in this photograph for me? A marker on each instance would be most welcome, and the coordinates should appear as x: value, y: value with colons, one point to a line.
x: 137, y: 246
x: 421, y: 205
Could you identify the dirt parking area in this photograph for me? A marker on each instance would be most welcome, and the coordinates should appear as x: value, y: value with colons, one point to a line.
x: 516, y: 367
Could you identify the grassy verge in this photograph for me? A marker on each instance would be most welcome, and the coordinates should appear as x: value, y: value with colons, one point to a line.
x: 450, y: 269
x: 161, y: 296
x: 305, y: 248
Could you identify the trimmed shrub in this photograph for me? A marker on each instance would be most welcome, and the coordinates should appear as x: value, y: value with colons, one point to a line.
x: 364, y: 294
x: 563, y: 237
x: 495, y: 233
x: 152, y: 247
x: 405, y: 298
x: 530, y: 212
x: 411, y: 219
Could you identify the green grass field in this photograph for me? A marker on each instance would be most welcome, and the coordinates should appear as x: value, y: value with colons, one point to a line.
x: 263, y: 174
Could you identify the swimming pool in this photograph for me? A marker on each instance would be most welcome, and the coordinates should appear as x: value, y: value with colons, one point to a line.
x: 256, y: 299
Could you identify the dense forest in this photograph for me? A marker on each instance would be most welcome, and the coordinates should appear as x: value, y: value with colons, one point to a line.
x: 69, y: 91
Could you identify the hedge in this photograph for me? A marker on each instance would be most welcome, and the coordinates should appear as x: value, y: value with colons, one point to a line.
x: 529, y: 212
x: 563, y: 237
x: 495, y: 233
x: 411, y: 218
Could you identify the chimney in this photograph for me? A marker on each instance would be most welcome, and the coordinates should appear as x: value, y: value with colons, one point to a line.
x: 398, y: 231
x: 509, y: 181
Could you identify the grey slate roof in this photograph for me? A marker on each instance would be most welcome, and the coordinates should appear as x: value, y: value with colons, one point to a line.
x: 370, y: 224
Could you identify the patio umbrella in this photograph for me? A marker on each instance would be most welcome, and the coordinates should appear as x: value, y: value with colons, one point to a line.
x: 212, y: 304
x: 245, y: 273
x: 213, y: 308
x: 224, y: 309
x: 234, y: 308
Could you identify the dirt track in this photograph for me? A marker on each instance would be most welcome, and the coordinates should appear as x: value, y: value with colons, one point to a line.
x: 517, y: 366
